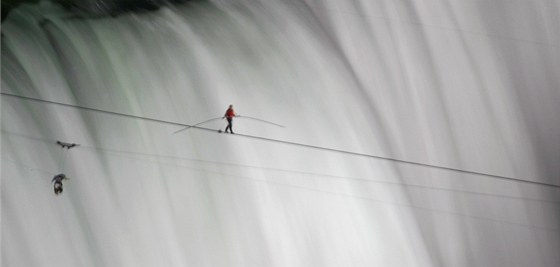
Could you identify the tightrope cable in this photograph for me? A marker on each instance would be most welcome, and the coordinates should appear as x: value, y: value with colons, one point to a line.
x: 286, y: 142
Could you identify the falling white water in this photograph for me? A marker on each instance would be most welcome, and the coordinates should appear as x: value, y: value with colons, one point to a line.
x: 465, y: 85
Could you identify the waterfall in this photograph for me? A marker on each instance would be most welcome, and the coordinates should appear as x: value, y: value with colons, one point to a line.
x: 416, y: 134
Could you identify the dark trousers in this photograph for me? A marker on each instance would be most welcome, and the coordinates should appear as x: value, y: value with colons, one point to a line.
x: 229, y: 125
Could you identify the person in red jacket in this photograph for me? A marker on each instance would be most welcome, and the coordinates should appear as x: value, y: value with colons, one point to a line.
x: 229, y: 115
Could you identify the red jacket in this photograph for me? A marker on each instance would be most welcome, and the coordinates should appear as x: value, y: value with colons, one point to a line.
x: 229, y: 113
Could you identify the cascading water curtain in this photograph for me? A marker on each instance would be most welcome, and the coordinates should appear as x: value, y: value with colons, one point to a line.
x: 372, y: 133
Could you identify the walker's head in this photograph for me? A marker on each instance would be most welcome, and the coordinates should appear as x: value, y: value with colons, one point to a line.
x: 230, y: 106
